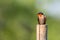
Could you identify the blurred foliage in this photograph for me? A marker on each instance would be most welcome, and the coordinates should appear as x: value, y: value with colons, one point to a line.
x: 18, y: 21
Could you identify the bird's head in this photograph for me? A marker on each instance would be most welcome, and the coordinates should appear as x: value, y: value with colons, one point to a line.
x: 40, y: 14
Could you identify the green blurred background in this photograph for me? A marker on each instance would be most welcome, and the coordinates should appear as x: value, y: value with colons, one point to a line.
x: 18, y: 20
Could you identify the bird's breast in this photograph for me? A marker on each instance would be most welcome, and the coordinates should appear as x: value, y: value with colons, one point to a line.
x: 41, y: 19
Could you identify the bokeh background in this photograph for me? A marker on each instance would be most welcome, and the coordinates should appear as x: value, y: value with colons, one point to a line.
x: 18, y: 18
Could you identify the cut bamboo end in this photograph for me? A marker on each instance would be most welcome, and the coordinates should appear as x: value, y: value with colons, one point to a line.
x: 41, y: 32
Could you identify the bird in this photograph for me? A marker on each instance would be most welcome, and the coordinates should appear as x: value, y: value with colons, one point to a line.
x: 41, y: 18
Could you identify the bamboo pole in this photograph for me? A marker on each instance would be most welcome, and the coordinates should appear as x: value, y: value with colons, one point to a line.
x: 41, y: 29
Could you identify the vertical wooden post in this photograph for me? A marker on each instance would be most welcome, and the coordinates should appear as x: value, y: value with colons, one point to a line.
x: 41, y: 32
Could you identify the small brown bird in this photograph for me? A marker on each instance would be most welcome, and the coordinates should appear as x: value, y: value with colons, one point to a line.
x: 41, y: 18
